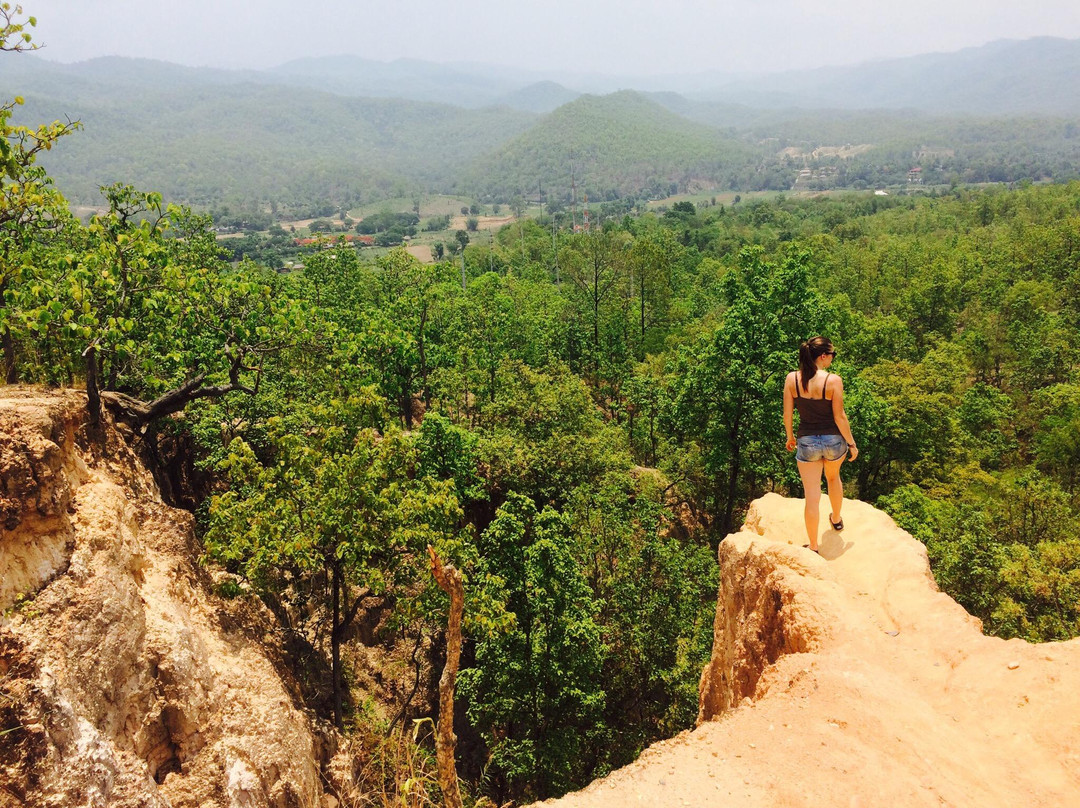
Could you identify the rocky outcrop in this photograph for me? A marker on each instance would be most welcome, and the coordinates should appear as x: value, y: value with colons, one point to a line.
x: 848, y: 679
x: 124, y: 681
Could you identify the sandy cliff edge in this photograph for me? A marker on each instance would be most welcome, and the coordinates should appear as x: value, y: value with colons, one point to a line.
x: 123, y: 680
x: 850, y: 680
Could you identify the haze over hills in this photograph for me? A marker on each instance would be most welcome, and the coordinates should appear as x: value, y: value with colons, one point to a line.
x: 403, y: 78
x: 344, y: 130
x: 1033, y: 76
x: 1007, y: 76
x: 203, y: 144
x: 543, y: 96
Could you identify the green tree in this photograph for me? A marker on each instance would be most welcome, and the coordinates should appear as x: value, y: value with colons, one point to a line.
x: 595, y: 262
x: 656, y: 594
x: 32, y: 210
x: 536, y: 690
x: 340, y: 514
x: 162, y: 316
x: 1057, y: 438
x: 542, y: 436
x: 652, y: 260
x: 728, y: 386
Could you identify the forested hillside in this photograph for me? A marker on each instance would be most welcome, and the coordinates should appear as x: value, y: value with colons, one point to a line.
x: 620, y: 145
x: 299, y: 142
x: 573, y: 419
x: 246, y: 143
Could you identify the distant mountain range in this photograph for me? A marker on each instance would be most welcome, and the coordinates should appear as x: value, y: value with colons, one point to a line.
x: 1032, y: 76
x: 1009, y: 77
x: 351, y: 130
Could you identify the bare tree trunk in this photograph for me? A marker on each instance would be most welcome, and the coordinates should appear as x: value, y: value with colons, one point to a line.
x: 141, y: 413
x: 426, y: 391
x: 335, y: 646
x: 449, y: 580
x: 93, y: 392
x: 11, y: 375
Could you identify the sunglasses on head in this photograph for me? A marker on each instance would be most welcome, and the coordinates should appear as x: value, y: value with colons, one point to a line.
x: 829, y: 353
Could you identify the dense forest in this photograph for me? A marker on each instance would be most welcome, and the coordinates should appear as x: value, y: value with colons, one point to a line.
x: 574, y: 419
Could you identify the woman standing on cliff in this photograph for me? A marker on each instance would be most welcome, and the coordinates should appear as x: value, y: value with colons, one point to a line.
x: 824, y: 438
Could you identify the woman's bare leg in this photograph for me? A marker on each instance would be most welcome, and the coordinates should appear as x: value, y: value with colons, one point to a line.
x: 811, y: 480
x: 836, y: 487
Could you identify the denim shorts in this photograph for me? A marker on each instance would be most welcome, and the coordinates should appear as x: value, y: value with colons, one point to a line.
x: 820, y: 447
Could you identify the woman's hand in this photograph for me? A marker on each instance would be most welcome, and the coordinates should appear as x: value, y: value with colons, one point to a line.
x: 790, y: 445
x: 853, y: 452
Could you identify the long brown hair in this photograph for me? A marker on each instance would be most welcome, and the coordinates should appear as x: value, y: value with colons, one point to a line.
x: 809, y: 352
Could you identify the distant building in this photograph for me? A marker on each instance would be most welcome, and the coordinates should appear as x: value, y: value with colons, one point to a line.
x: 821, y: 173
x: 914, y: 176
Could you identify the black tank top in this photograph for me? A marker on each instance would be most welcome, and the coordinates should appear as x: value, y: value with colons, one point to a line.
x: 815, y: 414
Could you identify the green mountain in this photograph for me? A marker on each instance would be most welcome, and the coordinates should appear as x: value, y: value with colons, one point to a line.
x: 205, y: 142
x: 615, y: 145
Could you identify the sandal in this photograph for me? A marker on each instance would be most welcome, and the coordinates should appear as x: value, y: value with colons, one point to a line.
x: 812, y: 550
x: 838, y: 525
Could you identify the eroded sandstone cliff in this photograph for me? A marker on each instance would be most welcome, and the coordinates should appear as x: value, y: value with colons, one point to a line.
x: 846, y: 679
x: 850, y: 680
x: 123, y: 680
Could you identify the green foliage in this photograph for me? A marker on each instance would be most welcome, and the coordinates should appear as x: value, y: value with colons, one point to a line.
x: 493, y: 406
x: 1011, y: 558
x: 449, y: 452
x: 544, y: 437
x: 1057, y: 439
x: 727, y: 387
x: 536, y: 690
x: 403, y: 223
x: 339, y: 514
x: 656, y: 595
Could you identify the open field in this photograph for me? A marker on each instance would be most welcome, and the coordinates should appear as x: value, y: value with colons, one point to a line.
x: 843, y: 152
x: 421, y: 252
x: 430, y: 205
x: 483, y: 222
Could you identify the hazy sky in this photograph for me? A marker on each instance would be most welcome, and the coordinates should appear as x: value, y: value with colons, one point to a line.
x: 627, y: 37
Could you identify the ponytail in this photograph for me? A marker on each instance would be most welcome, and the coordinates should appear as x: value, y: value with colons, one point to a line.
x: 809, y: 352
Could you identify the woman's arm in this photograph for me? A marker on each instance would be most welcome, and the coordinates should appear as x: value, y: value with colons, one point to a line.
x: 840, y: 416
x: 789, y: 406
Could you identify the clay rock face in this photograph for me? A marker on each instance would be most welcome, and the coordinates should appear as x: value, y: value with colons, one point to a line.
x: 764, y: 612
x: 123, y: 680
x: 36, y: 478
x: 849, y: 679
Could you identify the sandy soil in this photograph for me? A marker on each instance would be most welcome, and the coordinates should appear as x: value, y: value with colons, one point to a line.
x: 124, y: 680
x: 864, y: 686
x: 484, y: 222
x: 421, y: 252
x: 843, y: 152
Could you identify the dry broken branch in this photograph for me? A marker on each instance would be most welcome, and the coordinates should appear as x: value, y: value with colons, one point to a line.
x: 449, y: 580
